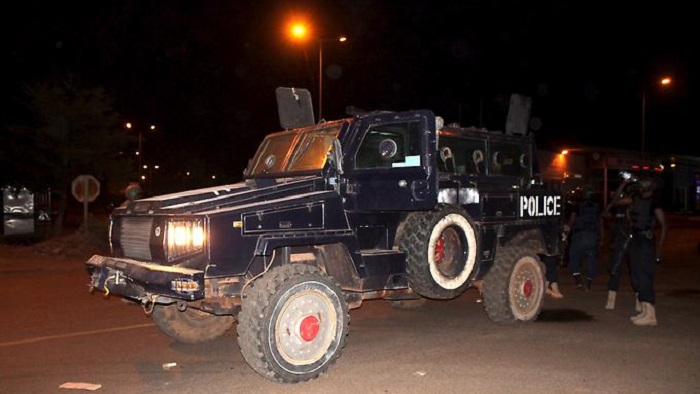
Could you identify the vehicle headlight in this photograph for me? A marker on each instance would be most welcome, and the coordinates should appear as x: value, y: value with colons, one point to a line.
x: 184, y: 237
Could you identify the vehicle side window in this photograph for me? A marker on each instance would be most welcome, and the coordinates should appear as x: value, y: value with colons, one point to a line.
x: 467, y: 156
x: 390, y: 146
x: 510, y: 159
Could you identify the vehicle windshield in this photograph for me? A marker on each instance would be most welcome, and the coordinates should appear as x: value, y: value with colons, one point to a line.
x: 295, y: 150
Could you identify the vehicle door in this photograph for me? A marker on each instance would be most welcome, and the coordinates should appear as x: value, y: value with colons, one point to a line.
x: 391, y: 165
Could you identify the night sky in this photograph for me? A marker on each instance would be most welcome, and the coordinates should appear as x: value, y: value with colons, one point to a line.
x: 205, y: 71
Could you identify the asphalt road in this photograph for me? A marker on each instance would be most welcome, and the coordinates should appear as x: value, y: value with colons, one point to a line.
x: 53, y: 332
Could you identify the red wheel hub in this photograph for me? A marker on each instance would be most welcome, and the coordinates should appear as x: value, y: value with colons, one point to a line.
x: 309, y: 328
x: 439, y: 250
x: 527, y: 288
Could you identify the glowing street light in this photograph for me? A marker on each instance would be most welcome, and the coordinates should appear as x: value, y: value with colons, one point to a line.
x: 298, y: 31
x: 301, y: 32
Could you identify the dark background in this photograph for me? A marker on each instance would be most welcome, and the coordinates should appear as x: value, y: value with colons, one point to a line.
x: 204, y: 72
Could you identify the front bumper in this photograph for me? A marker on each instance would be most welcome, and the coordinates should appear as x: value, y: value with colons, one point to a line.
x: 139, y: 280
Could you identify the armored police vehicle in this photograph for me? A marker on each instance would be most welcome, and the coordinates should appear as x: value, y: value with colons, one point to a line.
x: 380, y: 205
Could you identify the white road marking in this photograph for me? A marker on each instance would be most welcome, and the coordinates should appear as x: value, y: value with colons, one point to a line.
x: 73, y: 335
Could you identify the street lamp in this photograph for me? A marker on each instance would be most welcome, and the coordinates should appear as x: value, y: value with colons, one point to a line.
x: 665, y: 81
x: 300, y: 32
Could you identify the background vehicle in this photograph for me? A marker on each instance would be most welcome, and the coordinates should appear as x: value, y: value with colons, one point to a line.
x: 388, y: 205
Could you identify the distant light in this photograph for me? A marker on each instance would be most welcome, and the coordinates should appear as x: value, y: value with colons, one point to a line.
x: 213, y: 177
x: 645, y: 167
x: 145, y: 166
x: 188, y: 173
x: 666, y: 81
x: 565, y: 152
x: 153, y: 127
x: 342, y: 39
x: 673, y: 165
x: 143, y: 177
x: 636, y: 167
x: 128, y: 125
x: 138, y: 153
x: 156, y: 166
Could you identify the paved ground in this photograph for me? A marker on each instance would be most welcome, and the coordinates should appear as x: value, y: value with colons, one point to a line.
x: 54, y: 332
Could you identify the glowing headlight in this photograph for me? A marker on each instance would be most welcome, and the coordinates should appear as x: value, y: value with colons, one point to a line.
x: 184, y: 237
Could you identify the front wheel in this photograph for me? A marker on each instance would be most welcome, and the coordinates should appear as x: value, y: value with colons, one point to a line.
x: 190, y: 325
x: 293, y: 323
x: 514, y: 287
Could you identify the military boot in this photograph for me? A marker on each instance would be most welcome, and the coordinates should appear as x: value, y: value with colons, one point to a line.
x: 649, y: 317
x: 641, y: 313
x: 612, y: 295
x: 553, y: 291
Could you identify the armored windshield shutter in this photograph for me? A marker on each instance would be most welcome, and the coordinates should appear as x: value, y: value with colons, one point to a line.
x: 294, y: 107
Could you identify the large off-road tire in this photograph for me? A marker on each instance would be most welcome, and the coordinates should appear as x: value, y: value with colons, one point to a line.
x: 440, y: 247
x: 514, y: 287
x: 192, y: 325
x: 293, y: 323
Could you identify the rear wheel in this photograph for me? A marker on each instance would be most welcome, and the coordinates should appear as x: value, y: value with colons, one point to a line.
x: 190, y: 325
x: 514, y: 287
x: 293, y: 323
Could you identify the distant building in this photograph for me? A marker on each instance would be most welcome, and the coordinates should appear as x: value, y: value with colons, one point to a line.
x: 678, y: 176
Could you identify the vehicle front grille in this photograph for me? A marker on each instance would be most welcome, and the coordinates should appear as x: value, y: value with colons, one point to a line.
x: 135, y: 234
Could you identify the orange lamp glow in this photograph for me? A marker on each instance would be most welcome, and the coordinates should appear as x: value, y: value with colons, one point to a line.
x: 299, y: 31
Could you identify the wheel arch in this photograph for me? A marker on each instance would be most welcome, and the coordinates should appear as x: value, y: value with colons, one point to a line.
x: 334, y: 259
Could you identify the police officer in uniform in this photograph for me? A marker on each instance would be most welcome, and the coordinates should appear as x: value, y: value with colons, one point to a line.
x: 620, y: 240
x: 643, y: 215
x: 585, y: 223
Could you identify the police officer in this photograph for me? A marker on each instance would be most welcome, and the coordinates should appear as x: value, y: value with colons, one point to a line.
x: 585, y: 223
x: 620, y: 239
x: 644, y: 214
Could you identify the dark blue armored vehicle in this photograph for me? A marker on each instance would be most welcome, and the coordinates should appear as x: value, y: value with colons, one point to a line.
x: 381, y: 205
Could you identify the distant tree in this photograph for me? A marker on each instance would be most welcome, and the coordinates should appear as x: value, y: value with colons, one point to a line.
x: 72, y: 130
